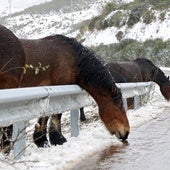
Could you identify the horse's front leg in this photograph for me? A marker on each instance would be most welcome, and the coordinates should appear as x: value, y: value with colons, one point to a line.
x: 39, y: 135
x: 55, y: 134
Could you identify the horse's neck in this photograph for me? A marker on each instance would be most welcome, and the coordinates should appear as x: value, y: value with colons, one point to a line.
x: 97, y: 88
x: 96, y: 93
x: 156, y: 75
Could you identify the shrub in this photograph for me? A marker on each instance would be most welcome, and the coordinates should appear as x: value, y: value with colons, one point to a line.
x: 109, y: 8
x: 119, y: 35
x: 99, y: 22
x: 117, y: 20
x: 148, y: 17
x: 162, y: 16
x: 136, y: 14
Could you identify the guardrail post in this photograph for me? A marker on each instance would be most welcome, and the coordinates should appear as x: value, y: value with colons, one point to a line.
x: 74, y: 123
x: 19, y: 138
x: 136, y: 102
x: 125, y: 104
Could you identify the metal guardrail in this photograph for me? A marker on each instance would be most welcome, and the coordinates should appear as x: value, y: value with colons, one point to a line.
x: 39, y: 101
x: 20, y: 105
x: 135, y: 90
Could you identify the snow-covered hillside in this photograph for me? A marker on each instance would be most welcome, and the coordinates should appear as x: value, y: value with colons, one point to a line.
x: 28, y: 24
x: 140, y: 32
x: 11, y: 6
x: 56, y: 21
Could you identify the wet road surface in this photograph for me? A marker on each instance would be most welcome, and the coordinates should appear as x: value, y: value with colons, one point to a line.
x: 148, y: 148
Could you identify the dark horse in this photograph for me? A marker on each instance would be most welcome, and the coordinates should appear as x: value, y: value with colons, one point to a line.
x: 62, y: 60
x: 129, y: 70
x: 150, y: 72
x: 142, y: 70
x: 12, y: 61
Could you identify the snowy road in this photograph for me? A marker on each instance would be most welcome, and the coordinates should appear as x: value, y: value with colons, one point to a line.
x: 148, y: 148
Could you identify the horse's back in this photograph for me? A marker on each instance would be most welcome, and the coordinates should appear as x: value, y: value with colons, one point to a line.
x: 52, y: 57
x: 128, y: 70
x: 118, y: 78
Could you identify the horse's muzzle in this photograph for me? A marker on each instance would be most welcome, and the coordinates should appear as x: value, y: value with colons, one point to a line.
x: 125, y: 137
x: 121, y: 136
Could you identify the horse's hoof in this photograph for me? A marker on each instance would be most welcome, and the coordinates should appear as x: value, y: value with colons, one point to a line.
x: 6, y: 143
x: 46, y: 144
x: 56, y: 138
x: 40, y: 139
x: 82, y: 119
x: 6, y: 148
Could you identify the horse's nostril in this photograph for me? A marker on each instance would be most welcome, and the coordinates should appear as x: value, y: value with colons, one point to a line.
x: 124, y: 137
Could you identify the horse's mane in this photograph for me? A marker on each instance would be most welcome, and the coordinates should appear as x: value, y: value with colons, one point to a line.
x: 91, y: 68
x: 159, y: 75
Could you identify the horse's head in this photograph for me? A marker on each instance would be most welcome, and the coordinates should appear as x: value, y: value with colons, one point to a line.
x: 97, y: 80
x: 113, y: 114
x: 151, y: 72
x: 165, y: 89
x: 164, y: 83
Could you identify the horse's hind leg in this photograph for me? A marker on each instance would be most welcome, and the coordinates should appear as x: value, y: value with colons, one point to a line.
x: 82, y: 115
x: 55, y: 134
x: 6, y: 138
x: 39, y: 136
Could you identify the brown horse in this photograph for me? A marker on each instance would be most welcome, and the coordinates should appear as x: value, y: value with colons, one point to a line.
x: 59, y: 60
x: 12, y: 61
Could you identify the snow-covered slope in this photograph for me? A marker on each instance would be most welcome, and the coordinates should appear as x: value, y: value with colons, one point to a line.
x: 32, y: 24
x: 11, y: 6
x: 140, y: 32
x: 56, y: 21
